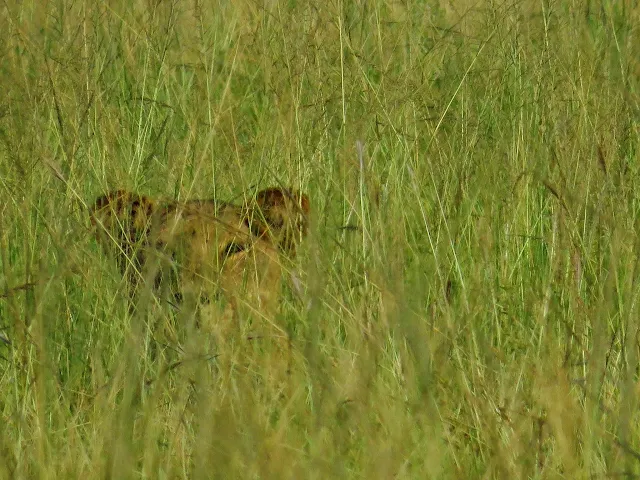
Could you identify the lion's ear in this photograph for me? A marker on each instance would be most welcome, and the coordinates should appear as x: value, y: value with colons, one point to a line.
x: 282, y: 214
x: 105, y: 206
x: 275, y: 197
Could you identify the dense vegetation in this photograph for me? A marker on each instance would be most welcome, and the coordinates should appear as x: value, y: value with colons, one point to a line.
x: 467, y: 299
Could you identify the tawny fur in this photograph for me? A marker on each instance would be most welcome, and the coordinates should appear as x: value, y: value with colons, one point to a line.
x: 205, y: 248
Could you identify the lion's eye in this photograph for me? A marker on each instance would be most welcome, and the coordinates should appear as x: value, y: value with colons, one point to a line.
x: 232, y: 248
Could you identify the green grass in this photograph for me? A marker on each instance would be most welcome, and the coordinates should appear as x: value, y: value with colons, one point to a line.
x: 478, y: 318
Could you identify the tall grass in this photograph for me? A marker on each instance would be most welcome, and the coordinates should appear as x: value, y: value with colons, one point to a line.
x: 470, y: 283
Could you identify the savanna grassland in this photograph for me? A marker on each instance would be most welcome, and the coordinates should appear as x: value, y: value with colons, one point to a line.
x: 464, y: 306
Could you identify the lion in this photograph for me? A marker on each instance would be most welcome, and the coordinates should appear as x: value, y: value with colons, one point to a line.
x: 204, y: 249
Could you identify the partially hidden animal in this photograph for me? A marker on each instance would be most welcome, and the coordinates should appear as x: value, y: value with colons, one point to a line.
x: 204, y: 250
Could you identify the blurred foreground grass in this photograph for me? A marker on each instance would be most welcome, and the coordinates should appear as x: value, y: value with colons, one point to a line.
x: 470, y: 283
